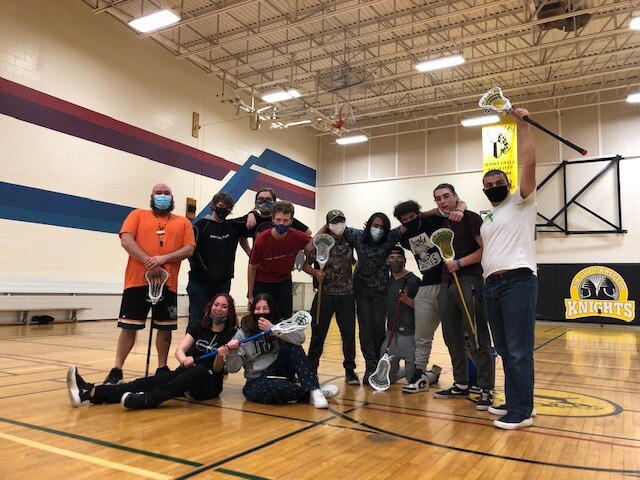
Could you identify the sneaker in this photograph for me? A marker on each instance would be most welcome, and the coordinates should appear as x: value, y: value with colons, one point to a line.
x: 419, y: 383
x: 114, y: 377
x: 134, y: 401
x: 502, y: 410
x: 511, y: 421
x: 485, y: 402
x: 79, y: 390
x: 329, y: 390
x: 475, y: 390
x: 452, y: 392
x: 317, y: 399
x: 351, y: 377
x: 162, y: 369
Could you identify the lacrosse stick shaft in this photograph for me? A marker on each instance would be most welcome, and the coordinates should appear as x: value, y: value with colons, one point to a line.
x: 213, y: 353
x: 318, y: 299
x: 464, y: 303
x: 578, y: 149
x: 395, y: 320
x: 475, y: 318
x: 146, y: 370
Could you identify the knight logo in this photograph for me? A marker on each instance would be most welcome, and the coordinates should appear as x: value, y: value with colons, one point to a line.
x: 599, y: 291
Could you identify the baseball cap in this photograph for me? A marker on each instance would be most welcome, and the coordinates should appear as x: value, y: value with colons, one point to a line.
x: 333, y: 214
x: 396, y: 249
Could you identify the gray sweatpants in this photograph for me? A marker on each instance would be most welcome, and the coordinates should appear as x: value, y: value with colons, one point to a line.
x: 427, y: 321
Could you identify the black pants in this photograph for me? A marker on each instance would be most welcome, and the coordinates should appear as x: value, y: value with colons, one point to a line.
x: 344, y: 308
x: 457, y: 331
x: 195, y: 382
x: 372, y: 312
x: 276, y: 386
x: 282, y: 293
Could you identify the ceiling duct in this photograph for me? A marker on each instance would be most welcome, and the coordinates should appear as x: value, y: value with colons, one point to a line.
x: 342, y: 77
x: 554, y: 9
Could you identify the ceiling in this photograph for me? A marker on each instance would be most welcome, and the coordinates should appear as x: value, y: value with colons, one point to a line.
x: 363, y: 52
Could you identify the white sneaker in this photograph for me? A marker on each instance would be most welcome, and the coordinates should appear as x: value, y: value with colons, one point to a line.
x: 317, y: 399
x: 330, y: 390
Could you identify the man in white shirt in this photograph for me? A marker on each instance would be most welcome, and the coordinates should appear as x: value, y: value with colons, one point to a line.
x: 511, y: 284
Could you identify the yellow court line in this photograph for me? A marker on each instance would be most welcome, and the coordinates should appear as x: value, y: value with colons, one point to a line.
x: 86, y: 458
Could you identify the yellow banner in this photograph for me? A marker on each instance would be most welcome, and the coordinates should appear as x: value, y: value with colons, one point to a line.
x: 500, y: 150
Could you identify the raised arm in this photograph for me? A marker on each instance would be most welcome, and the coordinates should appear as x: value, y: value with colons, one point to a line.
x: 526, y: 153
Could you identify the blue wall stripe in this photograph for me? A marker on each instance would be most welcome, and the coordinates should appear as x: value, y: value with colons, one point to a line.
x: 34, y: 205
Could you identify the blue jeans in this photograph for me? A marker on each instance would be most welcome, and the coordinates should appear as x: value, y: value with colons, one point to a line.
x: 199, y: 296
x: 510, y: 300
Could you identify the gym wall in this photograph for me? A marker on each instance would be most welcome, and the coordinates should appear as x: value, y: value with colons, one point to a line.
x: 91, y: 118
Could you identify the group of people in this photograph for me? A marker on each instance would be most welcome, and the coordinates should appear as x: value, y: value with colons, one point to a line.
x: 397, y: 312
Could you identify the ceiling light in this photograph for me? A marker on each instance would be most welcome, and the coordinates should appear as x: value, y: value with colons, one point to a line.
x: 635, y: 23
x: 280, y: 95
x: 484, y: 120
x: 352, y: 139
x: 156, y: 20
x: 633, y: 98
x: 298, y: 122
x: 440, y: 63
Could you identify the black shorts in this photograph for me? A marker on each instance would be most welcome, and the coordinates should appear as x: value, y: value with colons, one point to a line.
x: 135, y: 307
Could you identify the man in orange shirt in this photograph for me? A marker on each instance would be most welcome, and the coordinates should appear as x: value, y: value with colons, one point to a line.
x: 152, y: 238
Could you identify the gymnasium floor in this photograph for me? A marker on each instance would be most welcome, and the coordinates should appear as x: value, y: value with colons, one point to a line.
x: 588, y: 423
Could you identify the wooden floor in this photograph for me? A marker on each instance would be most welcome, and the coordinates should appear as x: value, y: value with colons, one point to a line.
x: 587, y: 399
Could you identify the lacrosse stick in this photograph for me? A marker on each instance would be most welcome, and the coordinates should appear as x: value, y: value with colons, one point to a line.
x: 443, y: 239
x: 299, y: 321
x: 156, y: 277
x: 380, y: 378
x: 496, y: 101
x: 323, y: 244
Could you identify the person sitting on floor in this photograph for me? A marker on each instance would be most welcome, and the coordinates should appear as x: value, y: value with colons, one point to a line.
x: 271, y: 362
x: 199, y: 381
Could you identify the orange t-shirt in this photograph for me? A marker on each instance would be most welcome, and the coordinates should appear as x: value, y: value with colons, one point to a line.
x: 143, y: 225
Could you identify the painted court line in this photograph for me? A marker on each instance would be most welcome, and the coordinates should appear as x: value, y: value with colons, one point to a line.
x: 86, y: 458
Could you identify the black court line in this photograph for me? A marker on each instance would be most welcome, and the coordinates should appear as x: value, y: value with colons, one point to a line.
x: 482, y: 419
x: 257, y: 447
x: 240, y: 474
x: 549, y: 341
x: 484, y: 454
x: 102, y: 443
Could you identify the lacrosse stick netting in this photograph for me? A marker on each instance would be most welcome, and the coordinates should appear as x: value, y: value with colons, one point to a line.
x: 156, y: 277
x: 323, y: 244
x: 443, y: 240
x: 298, y: 322
x: 496, y: 101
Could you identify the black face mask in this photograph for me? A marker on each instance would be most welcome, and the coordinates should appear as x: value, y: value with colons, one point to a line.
x: 218, y: 320
x: 413, y: 225
x: 264, y: 206
x: 396, y: 266
x: 222, y: 212
x: 497, y: 194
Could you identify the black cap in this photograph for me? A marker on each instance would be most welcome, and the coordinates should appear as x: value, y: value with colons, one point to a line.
x: 396, y: 249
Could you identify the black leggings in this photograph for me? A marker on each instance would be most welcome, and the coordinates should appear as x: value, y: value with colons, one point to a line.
x: 196, y: 382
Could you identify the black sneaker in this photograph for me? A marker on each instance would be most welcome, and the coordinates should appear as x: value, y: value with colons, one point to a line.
x: 452, y: 392
x: 134, y: 401
x: 485, y: 401
x: 512, y: 421
x: 162, y: 369
x: 114, y: 377
x: 79, y: 390
x: 351, y: 377
x: 419, y: 383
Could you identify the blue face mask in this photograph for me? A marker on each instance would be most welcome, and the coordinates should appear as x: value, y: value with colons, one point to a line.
x: 264, y: 206
x: 281, y: 229
x: 162, y: 202
x: 376, y: 233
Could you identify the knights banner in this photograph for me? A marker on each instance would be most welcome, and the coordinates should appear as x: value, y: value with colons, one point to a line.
x: 500, y: 150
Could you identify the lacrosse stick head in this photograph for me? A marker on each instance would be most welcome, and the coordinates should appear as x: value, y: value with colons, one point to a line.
x: 495, y: 101
x: 323, y: 244
x: 299, y: 321
x: 379, y: 379
x: 156, y: 277
x: 443, y: 239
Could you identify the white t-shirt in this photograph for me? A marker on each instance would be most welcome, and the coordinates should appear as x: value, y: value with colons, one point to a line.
x: 508, y: 235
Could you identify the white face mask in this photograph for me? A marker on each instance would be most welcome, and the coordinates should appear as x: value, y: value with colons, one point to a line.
x: 337, y: 228
x: 376, y: 233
